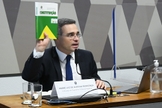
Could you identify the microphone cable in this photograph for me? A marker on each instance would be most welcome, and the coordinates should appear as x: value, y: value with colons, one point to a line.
x: 104, y: 96
x: 77, y: 62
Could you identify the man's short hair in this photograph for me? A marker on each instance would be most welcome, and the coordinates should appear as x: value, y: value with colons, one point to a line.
x: 62, y: 22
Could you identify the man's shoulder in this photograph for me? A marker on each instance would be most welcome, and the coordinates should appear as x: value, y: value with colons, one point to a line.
x: 50, y: 51
x: 52, y: 48
x: 82, y: 51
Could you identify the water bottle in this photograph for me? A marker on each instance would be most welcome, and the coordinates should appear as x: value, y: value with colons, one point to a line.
x: 156, y: 78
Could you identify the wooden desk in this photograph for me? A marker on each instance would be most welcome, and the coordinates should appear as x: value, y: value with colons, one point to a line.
x: 14, y: 101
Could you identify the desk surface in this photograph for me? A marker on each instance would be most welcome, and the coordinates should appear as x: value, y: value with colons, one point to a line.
x: 14, y: 101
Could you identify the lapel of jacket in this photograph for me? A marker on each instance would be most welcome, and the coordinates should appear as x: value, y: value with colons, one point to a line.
x: 56, y: 62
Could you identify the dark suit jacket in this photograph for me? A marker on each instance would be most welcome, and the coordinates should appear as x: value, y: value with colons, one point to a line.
x: 46, y: 69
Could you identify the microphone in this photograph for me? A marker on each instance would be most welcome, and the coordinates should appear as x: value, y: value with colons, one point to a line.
x: 76, y: 56
x: 77, y: 62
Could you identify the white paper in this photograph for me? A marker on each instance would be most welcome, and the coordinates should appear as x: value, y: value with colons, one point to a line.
x: 44, y: 93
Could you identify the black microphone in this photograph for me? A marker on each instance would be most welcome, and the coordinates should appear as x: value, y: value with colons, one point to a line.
x: 77, y: 62
x: 76, y: 56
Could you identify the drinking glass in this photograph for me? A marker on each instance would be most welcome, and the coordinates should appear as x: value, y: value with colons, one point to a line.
x: 26, y: 90
x: 36, y: 95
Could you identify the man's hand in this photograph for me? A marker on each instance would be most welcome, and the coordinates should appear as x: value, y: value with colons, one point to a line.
x: 100, y: 84
x: 42, y: 44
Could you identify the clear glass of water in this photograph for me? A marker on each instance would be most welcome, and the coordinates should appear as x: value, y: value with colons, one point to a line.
x: 36, y: 95
x: 26, y: 88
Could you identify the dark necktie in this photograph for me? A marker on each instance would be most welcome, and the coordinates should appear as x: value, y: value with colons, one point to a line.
x: 69, y: 75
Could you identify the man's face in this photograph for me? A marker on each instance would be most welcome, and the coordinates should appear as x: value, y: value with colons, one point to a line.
x: 69, y: 41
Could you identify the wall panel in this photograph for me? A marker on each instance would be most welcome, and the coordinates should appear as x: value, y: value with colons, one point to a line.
x: 138, y: 31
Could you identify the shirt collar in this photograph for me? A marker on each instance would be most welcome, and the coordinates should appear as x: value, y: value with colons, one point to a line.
x: 62, y: 56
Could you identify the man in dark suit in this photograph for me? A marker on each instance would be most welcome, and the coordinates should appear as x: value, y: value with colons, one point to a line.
x: 48, y: 65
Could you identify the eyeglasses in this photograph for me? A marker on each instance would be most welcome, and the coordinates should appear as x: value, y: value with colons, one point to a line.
x: 73, y: 35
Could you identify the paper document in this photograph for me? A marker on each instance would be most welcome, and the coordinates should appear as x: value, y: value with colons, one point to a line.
x: 44, y: 93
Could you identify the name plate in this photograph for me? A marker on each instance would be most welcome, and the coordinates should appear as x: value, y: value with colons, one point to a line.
x: 74, y: 87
